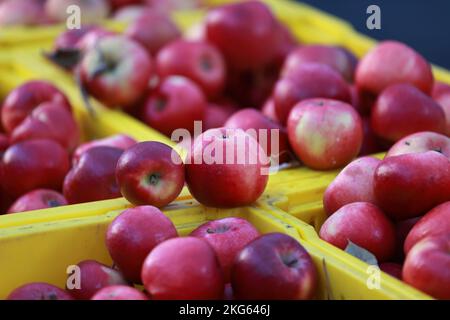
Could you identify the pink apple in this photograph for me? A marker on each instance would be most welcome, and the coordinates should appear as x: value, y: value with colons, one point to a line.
x: 39, y: 291
x: 216, y: 115
x: 421, y: 142
x: 38, y: 199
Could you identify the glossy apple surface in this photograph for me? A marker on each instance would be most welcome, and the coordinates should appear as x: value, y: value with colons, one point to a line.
x: 38, y: 199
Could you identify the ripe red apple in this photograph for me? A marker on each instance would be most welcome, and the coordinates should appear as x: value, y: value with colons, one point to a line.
x: 39, y: 291
x: 216, y: 115
x: 325, y: 134
x: 409, y: 185
x: 91, y: 10
x: 246, y: 33
x: 21, y: 101
x: 371, y: 143
x: 70, y: 38
x: 198, y: 61
x: 93, y: 277
x: 133, y: 234
x: 308, y: 80
x: 116, y: 71
x: 183, y: 269
x: 402, y: 109
x: 38, y: 199
x: 427, y: 266
x: 228, y: 237
x: 365, y: 225
x: 22, y: 12
x: 234, y: 161
x: 96, y: 167
x: 435, y: 222
x: 441, y: 94
x: 286, y: 43
x: 33, y: 164
x: 119, y: 292
x: 120, y: 141
x: 153, y: 30
x: 176, y: 103
x: 353, y: 184
x: 49, y: 121
x: 334, y: 57
x: 274, y: 266
x: 421, y: 142
x: 392, y: 62
x: 393, y: 269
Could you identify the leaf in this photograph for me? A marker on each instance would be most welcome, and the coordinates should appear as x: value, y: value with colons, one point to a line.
x: 65, y: 58
x: 361, y: 253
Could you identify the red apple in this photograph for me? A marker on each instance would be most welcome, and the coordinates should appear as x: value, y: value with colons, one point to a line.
x: 39, y: 291
x: 96, y: 167
x: 91, y: 10
x: 175, y: 104
x: 198, y: 61
x: 392, y: 62
x: 120, y: 141
x: 435, y: 222
x: 38, y: 199
x: 116, y: 71
x: 21, y: 101
x: 371, y: 143
x: 119, y: 292
x: 70, y: 38
x: 234, y: 161
x: 427, y: 266
x: 441, y: 94
x: 33, y: 164
x: 365, y: 225
x: 421, y: 142
x: 353, y: 184
x: 402, y: 109
x: 153, y: 30
x: 91, y: 38
x: 308, y: 80
x: 268, y: 109
x: 183, y: 269
x: 325, y: 134
x: 49, y: 121
x: 216, y: 115
x: 93, y: 277
x: 393, y: 269
x: 286, y: 43
x: 133, y: 234
x: 336, y: 58
x: 409, y: 185
x: 263, y: 127
x: 227, y: 237
x: 274, y: 266
x: 22, y: 12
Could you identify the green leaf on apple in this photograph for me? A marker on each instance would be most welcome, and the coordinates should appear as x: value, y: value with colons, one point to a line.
x: 361, y: 253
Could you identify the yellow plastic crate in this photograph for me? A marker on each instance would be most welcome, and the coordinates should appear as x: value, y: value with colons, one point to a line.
x: 43, y: 251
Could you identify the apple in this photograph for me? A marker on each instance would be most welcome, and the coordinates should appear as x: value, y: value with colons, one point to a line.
x: 287, y: 42
x: 120, y: 141
x: 248, y: 119
x: 133, y: 234
x: 176, y: 103
x: 91, y: 38
x: 49, y: 121
x: 93, y: 277
x: 325, y: 134
x: 21, y: 101
x: 227, y: 236
x: 308, y: 80
x: 268, y: 109
x: 441, y: 94
x: 421, y: 142
x: 235, y: 163
x: 409, y: 185
x: 33, y: 164
x: 96, y: 167
x: 22, y: 12
x: 402, y: 229
x: 365, y: 225
x: 371, y: 143
x: 335, y: 57
x: 353, y: 184
x: 393, y: 269
x: 116, y: 71
x: 198, y: 61
x: 246, y: 34
x: 427, y: 264
x: 435, y: 222
x: 402, y: 109
x: 39, y: 291
x: 69, y: 39
x: 119, y: 292
x: 183, y: 269
x: 153, y: 30
x: 392, y: 62
x: 91, y: 11
x: 216, y: 115
x: 38, y: 199
x: 274, y: 267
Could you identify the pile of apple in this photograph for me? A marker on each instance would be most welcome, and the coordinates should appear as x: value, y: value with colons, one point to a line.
x: 221, y: 259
